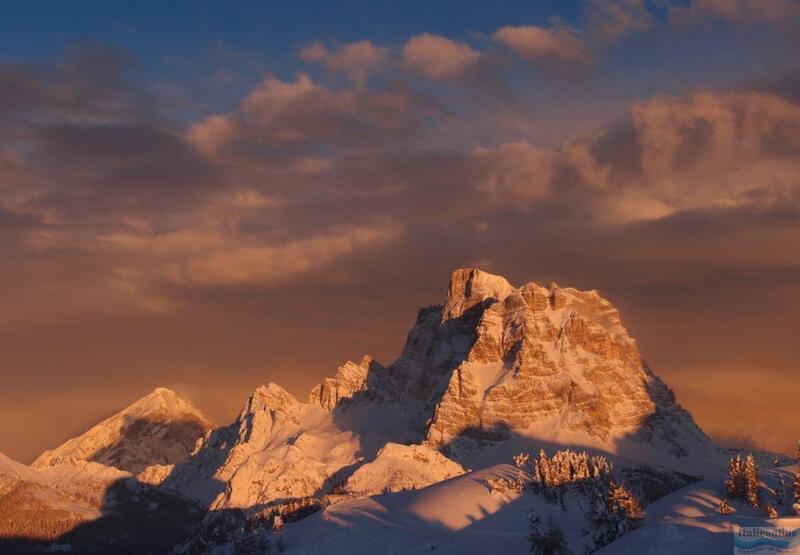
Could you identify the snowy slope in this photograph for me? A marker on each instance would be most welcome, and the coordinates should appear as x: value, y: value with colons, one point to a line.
x: 160, y: 428
x: 76, y: 476
x: 688, y: 522
x: 11, y: 470
x: 459, y: 515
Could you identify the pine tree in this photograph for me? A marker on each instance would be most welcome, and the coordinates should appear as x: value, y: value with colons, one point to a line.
x: 543, y: 467
x: 781, y: 493
x: 602, y: 523
x: 796, y: 494
x: 521, y: 462
x: 751, y: 481
x: 736, y: 483
x: 614, y: 513
x: 724, y: 508
x: 770, y: 511
x: 548, y: 542
x: 622, y: 501
x: 535, y: 534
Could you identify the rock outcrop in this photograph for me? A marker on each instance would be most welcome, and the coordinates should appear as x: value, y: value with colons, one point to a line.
x: 350, y: 381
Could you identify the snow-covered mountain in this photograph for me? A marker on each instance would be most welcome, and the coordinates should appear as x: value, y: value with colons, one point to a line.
x: 493, y: 371
x: 281, y: 450
x: 160, y: 428
x: 497, y: 361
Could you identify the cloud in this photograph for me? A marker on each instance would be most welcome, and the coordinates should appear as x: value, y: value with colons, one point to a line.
x: 739, y: 11
x: 514, y: 174
x: 545, y: 45
x: 719, y: 150
x: 279, y: 120
x: 357, y: 59
x: 89, y: 84
x: 610, y: 20
x: 273, y: 97
x: 437, y: 57
x: 212, y: 258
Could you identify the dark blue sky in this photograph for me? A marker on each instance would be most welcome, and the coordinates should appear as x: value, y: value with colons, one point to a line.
x: 213, y: 52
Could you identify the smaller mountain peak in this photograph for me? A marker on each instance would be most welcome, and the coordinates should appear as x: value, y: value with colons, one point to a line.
x: 159, y: 428
x: 272, y: 389
x: 271, y: 397
x: 163, y: 400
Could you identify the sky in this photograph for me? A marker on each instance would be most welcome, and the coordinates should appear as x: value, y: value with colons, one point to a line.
x: 212, y: 196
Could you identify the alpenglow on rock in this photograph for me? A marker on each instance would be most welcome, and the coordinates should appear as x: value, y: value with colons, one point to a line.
x: 350, y: 380
x: 496, y: 360
x: 158, y: 429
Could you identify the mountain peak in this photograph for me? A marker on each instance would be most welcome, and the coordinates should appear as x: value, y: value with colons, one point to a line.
x: 159, y: 428
x: 163, y: 401
x: 470, y: 287
x: 163, y: 392
x: 272, y: 397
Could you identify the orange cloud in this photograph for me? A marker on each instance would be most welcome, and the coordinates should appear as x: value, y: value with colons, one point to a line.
x: 356, y: 59
x: 208, y: 257
x: 437, y: 57
x: 718, y: 150
x: 545, y: 44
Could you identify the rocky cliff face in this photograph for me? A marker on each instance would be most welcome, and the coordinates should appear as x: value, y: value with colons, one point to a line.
x: 552, y: 355
x: 496, y: 360
x: 351, y: 381
x: 160, y: 428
